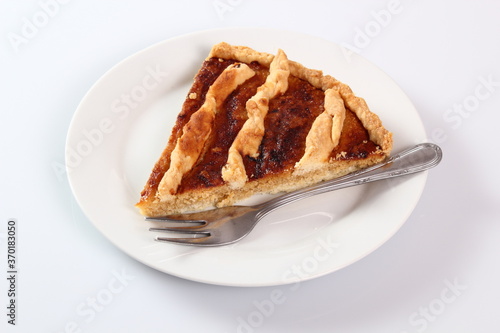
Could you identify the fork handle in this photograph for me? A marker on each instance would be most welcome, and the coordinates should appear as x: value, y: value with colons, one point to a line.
x: 416, y: 159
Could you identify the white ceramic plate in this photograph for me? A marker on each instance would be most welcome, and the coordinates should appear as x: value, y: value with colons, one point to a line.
x: 123, y: 123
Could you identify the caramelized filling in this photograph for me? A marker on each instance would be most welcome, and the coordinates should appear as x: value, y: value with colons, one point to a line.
x: 287, y: 124
x: 354, y: 140
x: 208, y: 73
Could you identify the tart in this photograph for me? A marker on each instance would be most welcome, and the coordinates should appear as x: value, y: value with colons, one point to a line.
x: 254, y: 123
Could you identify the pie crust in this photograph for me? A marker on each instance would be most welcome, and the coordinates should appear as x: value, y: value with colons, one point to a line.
x: 254, y: 123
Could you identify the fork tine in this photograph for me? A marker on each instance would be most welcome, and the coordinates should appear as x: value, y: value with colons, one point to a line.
x: 195, y: 230
x: 202, y: 241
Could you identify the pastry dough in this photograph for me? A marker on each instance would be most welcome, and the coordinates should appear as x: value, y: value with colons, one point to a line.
x: 325, y: 133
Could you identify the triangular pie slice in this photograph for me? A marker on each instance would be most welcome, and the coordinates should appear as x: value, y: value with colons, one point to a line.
x: 254, y: 123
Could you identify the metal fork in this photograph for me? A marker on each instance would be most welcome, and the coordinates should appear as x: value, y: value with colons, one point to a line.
x: 227, y: 225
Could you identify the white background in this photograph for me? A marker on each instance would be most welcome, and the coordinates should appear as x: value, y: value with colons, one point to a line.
x: 439, y: 273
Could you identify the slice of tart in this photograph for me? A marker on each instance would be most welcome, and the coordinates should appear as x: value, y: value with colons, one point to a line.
x: 254, y: 123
